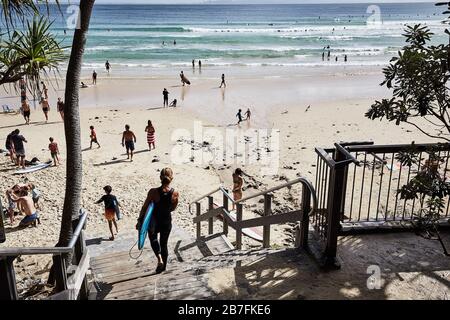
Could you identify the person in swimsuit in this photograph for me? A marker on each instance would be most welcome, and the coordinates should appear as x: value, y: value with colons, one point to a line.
x: 44, y: 90
x: 165, y: 201
x: 111, y: 204
x: 237, y: 185
x: 25, y: 202
x: 166, y: 97
x: 26, y: 111
x: 93, y: 137
x: 94, y: 77
x: 107, y: 66
x: 10, y: 146
x: 223, y: 81
x: 11, y: 204
x: 60, y: 105
x: 45, y: 108
x: 19, y: 148
x: 54, y: 151
x: 239, y: 116
x: 128, y: 141
x: 150, y: 135
x: 248, y: 114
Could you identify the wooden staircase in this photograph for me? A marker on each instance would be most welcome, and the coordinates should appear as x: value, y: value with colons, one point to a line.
x: 115, y: 275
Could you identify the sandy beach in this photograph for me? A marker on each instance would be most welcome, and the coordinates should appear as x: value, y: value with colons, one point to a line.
x: 337, y: 101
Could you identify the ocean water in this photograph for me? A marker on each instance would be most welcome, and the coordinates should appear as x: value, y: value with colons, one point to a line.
x: 131, y: 36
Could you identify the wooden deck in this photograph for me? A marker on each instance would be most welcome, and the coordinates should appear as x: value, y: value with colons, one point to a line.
x: 116, y: 276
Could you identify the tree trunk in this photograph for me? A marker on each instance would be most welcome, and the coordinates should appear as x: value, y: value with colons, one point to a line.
x: 74, y: 172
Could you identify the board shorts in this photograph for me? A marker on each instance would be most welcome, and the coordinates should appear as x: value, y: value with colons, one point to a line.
x: 45, y: 109
x: 26, y: 113
x: 54, y: 154
x: 20, y: 153
x: 11, y: 204
x: 129, y: 145
x: 28, y: 219
x: 110, y: 214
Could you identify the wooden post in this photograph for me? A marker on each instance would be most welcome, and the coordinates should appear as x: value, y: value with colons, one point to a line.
x: 302, y: 240
x: 267, y: 212
x: 199, y: 226
x: 8, y: 288
x: 210, y: 220
x: 80, y: 249
x: 239, y: 208
x: 226, y: 207
x: 60, y: 273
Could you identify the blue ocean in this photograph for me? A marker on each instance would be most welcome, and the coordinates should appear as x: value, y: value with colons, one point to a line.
x: 161, y: 36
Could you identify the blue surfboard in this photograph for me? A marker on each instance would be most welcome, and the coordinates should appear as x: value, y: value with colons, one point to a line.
x: 144, y: 227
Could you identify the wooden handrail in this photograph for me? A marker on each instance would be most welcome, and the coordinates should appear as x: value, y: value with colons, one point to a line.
x: 14, y: 252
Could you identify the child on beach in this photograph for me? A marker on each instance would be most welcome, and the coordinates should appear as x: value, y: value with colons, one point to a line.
x: 35, y: 195
x: 248, y: 114
x: 11, y: 204
x: 111, y: 205
x: 173, y: 103
x: 128, y: 141
x: 93, y: 137
x: 150, y: 129
x: 239, y: 116
x: 54, y: 151
x: 237, y: 185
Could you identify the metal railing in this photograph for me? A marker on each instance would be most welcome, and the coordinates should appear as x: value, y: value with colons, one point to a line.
x: 71, y: 281
x: 302, y: 215
x: 357, y: 187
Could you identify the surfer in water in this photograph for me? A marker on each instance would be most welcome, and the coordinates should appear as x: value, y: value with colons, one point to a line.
x: 165, y: 201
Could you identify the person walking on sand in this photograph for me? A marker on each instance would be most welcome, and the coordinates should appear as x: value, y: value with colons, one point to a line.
x: 165, y: 201
x: 19, y: 148
x: 150, y: 135
x: 238, y: 182
x: 60, y: 106
x: 94, y: 77
x: 111, y: 205
x: 223, y: 81
x: 239, y: 116
x: 107, y: 66
x: 128, y: 141
x: 45, y: 107
x: 54, y: 151
x: 248, y: 114
x: 44, y: 90
x: 93, y: 137
x: 26, y: 111
x: 165, y: 98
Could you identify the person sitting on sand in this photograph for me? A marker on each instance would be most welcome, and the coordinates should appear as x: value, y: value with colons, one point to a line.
x: 25, y: 202
x: 110, y: 209
x: 239, y: 116
x: 150, y: 135
x: 19, y: 148
x: 45, y: 108
x: 54, y: 151
x: 248, y: 114
x: 60, y: 105
x: 173, y: 103
x: 26, y: 111
x: 83, y: 85
x: 165, y: 201
x: 128, y: 141
x: 93, y: 137
x: 237, y: 185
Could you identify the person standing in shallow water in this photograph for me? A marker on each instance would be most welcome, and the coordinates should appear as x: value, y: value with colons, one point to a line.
x: 223, y: 81
x: 107, y: 66
x: 165, y: 201
x: 166, y: 97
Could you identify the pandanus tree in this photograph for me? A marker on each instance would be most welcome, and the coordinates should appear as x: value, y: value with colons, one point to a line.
x: 19, y: 10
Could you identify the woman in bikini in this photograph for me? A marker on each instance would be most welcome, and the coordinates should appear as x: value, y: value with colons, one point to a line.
x: 150, y: 135
x: 237, y: 185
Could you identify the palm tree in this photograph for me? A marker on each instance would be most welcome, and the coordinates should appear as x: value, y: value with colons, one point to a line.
x: 18, y: 9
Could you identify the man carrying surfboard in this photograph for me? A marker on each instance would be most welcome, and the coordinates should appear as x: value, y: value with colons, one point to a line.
x: 164, y: 200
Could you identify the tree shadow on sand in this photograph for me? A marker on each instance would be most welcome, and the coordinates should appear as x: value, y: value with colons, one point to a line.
x: 108, y: 163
